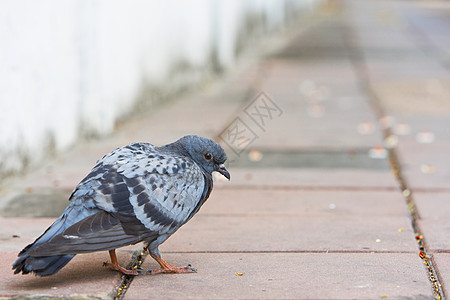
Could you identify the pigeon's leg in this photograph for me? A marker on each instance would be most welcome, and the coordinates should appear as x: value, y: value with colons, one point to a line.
x: 166, y: 268
x: 115, y: 264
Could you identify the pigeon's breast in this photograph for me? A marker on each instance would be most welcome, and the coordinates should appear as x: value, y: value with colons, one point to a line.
x: 166, y: 193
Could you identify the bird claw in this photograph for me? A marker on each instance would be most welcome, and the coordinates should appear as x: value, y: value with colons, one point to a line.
x: 123, y: 270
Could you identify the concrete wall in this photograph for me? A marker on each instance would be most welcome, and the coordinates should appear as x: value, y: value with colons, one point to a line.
x: 71, y: 68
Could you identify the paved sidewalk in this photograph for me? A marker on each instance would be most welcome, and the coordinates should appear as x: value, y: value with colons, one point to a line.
x: 345, y: 179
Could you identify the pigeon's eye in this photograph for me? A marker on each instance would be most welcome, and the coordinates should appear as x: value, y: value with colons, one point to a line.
x: 208, y: 156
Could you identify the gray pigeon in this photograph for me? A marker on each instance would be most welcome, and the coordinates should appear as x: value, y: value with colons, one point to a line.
x: 135, y: 193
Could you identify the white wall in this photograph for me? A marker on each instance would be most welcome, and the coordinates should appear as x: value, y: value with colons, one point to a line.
x: 73, y: 67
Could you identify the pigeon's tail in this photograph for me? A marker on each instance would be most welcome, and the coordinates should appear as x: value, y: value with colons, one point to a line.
x: 41, y: 265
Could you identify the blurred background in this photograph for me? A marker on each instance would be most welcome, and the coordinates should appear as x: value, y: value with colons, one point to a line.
x: 70, y: 70
x: 348, y: 80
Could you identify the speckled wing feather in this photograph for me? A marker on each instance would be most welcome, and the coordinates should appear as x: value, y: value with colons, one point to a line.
x: 139, y: 194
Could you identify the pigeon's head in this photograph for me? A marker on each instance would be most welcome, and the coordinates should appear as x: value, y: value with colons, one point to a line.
x: 206, y: 153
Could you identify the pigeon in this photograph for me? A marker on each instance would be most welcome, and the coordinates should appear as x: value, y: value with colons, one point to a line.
x: 136, y: 193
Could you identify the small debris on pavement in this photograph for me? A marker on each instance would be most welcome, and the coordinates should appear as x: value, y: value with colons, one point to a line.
x: 425, y: 137
x: 378, y: 152
x: 239, y: 274
x: 427, y: 169
x: 406, y: 192
x: 255, y: 155
x: 391, y: 141
x: 315, y: 110
x: 307, y: 87
x: 366, y: 128
x: 402, y: 129
x: 323, y: 92
x: 386, y: 121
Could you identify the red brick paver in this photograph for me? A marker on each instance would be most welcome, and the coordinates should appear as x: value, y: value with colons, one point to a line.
x: 287, y: 276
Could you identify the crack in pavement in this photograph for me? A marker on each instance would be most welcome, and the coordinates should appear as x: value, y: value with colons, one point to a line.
x: 136, y: 261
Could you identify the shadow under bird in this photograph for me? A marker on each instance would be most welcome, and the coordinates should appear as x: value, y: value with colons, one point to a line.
x: 136, y: 193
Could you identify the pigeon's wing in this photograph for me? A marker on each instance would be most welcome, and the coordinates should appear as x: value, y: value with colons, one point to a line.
x: 141, y: 194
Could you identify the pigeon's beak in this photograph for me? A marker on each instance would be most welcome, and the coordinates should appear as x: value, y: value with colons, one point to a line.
x: 222, y: 170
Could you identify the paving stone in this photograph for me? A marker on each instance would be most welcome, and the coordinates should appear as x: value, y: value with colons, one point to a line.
x: 310, y: 178
x: 294, y: 233
x: 16, y: 233
x: 258, y: 158
x: 426, y: 165
x: 287, y: 276
x: 432, y: 205
x: 280, y: 202
x: 84, y: 275
x: 416, y: 97
x: 435, y: 234
x: 442, y: 262
x: 434, y: 210
x: 38, y: 203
